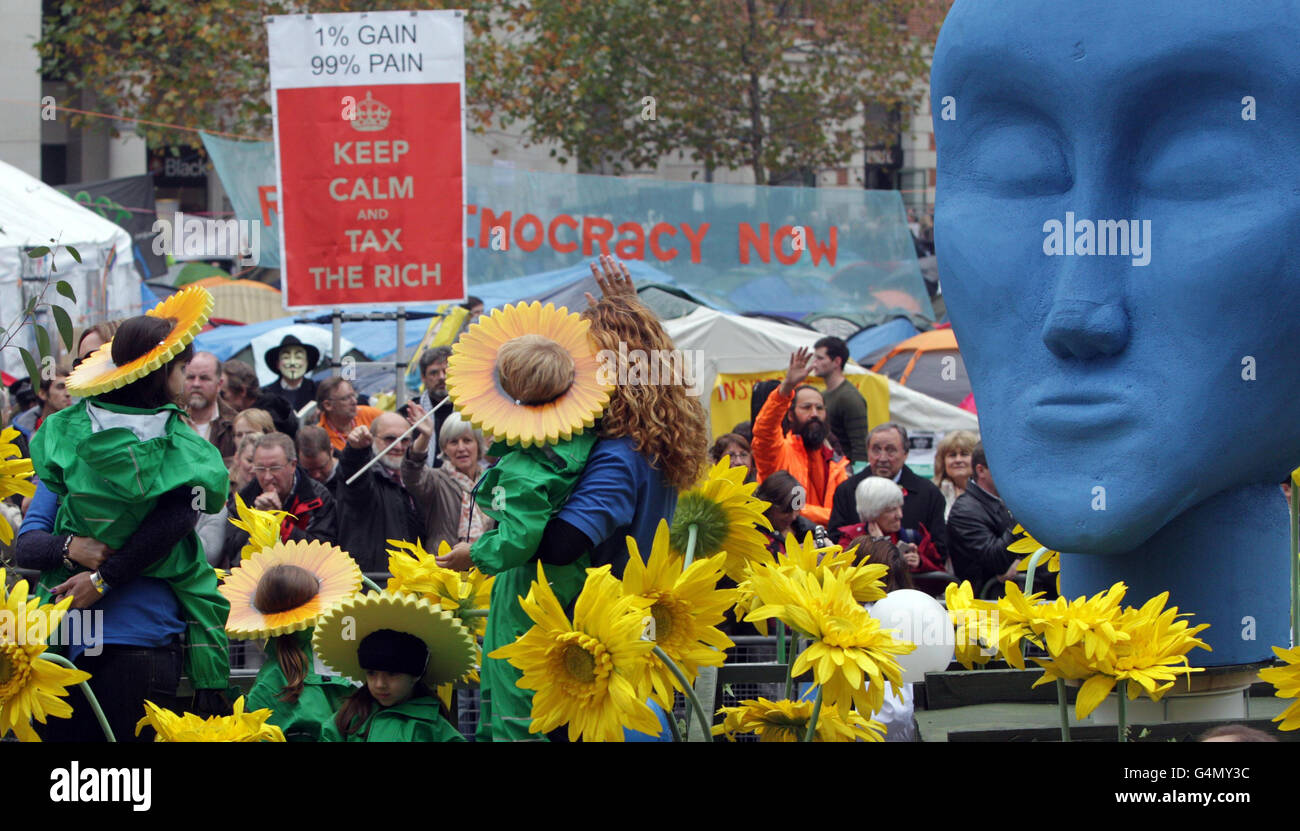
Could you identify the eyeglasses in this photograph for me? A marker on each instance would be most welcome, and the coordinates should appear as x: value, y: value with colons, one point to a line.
x: 350, y: 397
x: 259, y: 470
x: 391, y: 439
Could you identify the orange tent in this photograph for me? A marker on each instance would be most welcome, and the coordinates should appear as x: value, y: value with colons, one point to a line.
x: 929, y: 363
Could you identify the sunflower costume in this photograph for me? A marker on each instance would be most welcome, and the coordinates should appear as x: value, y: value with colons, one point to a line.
x: 543, y: 450
x: 109, y: 464
x: 346, y: 629
x: 338, y: 578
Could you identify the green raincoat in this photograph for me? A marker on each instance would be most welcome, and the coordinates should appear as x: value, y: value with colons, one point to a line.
x: 522, y: 492
x: 108, y: 481
x: 321, y: 697
x: 414, y: 720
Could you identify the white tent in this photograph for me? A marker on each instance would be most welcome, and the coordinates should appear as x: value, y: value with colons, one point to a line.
x: 105, y: 281
x: 730, y: 343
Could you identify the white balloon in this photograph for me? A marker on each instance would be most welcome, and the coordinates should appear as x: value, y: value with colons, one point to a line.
x: 920, y: 619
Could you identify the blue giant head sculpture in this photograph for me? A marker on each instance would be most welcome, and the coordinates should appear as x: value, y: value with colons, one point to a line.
x: 1118, y: 228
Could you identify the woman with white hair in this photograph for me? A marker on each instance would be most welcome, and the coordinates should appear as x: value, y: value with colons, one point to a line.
x: 880, y: 514
x: 444, y: 495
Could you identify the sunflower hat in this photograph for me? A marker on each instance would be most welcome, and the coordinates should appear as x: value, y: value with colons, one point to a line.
x: 475, y: 382
x: 340, y: 631
x: 285, y: 588
x: 97, y: 374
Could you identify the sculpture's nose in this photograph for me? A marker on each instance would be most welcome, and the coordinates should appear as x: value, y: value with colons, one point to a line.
x: 1084, y: 328
x: 1087, y: 318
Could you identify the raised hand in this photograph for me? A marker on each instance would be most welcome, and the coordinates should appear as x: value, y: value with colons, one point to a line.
x: 360, y: 437
x: 800, y: 368
x: 613, y: 278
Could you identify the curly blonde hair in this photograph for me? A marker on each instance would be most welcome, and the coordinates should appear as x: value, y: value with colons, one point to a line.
x: 666, y: 424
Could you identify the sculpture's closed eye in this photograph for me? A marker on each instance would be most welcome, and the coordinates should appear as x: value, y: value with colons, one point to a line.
x: 1015, y: 160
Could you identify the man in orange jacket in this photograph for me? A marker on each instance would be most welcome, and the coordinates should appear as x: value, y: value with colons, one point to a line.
x: 804, y: 452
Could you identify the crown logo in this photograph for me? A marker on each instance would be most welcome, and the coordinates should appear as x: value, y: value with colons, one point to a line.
x: 372, y: 115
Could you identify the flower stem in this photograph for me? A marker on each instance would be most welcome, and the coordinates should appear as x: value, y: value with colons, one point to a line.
x: 812, y: 720
x: 686, y: 688
x: 674, y: 727
x: 468, y: 613
x: 789, y: 673
x: 1121, y: 689
x: 692, y: 532
x: 85, y: 690
x: 780, y: 642
x: 1029, y: 571
x: 1295, y: 564
x: 1064, y: 710
x: 370, y: 584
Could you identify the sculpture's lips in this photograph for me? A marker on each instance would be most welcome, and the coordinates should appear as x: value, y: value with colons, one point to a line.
x: 1079, y: 409
x: 1077, y: 398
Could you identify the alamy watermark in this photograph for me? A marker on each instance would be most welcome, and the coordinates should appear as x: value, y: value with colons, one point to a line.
x: 630, y: 367
x: 78, y: 627
x: 192, y: 236
x: 1101, y: 238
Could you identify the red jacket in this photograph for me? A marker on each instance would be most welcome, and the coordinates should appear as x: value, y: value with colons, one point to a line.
x: 774, y: 451
x: 930, y: 559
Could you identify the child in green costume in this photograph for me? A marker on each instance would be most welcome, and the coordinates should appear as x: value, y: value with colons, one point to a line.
x: 394, y: 705
x: 112, y: 456
x: 276, y: 589
x: 302, y: 702
x: 539, y: 378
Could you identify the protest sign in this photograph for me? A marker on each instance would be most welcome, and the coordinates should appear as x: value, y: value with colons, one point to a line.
x: 369, y: 143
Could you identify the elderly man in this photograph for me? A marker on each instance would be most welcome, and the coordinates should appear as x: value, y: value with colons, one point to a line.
x: 804, y: 451
x: 375, y: 507
x: 339, y: 412
x: 923, y: 502
x: 212, y: 418
x: 280, y: 485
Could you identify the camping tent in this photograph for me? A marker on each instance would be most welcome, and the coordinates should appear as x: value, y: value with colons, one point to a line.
x: 929, y: 363
x: 725, y: 343
x: 105, y: 281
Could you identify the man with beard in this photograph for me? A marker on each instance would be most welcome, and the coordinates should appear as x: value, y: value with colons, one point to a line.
x: 433, y: 371
x: 375, y: 507
x: 210, y: 416
x: 804, y: 451
x: 923, y: 502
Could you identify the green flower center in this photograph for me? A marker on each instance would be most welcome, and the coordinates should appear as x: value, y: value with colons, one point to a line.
x: 579, y: 663
x: 663, y: 622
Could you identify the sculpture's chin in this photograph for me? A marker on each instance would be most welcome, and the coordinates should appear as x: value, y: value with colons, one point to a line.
x: 1075, y: 517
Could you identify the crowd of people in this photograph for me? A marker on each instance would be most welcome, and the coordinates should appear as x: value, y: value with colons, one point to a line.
x: 355, y: 476
x: 803, y: 445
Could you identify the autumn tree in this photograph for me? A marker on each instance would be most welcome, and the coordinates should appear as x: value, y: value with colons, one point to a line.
x: 771, y: 85
x: 761, y: 84
x: 197, y: 64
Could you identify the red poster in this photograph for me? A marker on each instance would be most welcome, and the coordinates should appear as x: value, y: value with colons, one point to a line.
x: 372, y: 210
x: 369, y: 129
